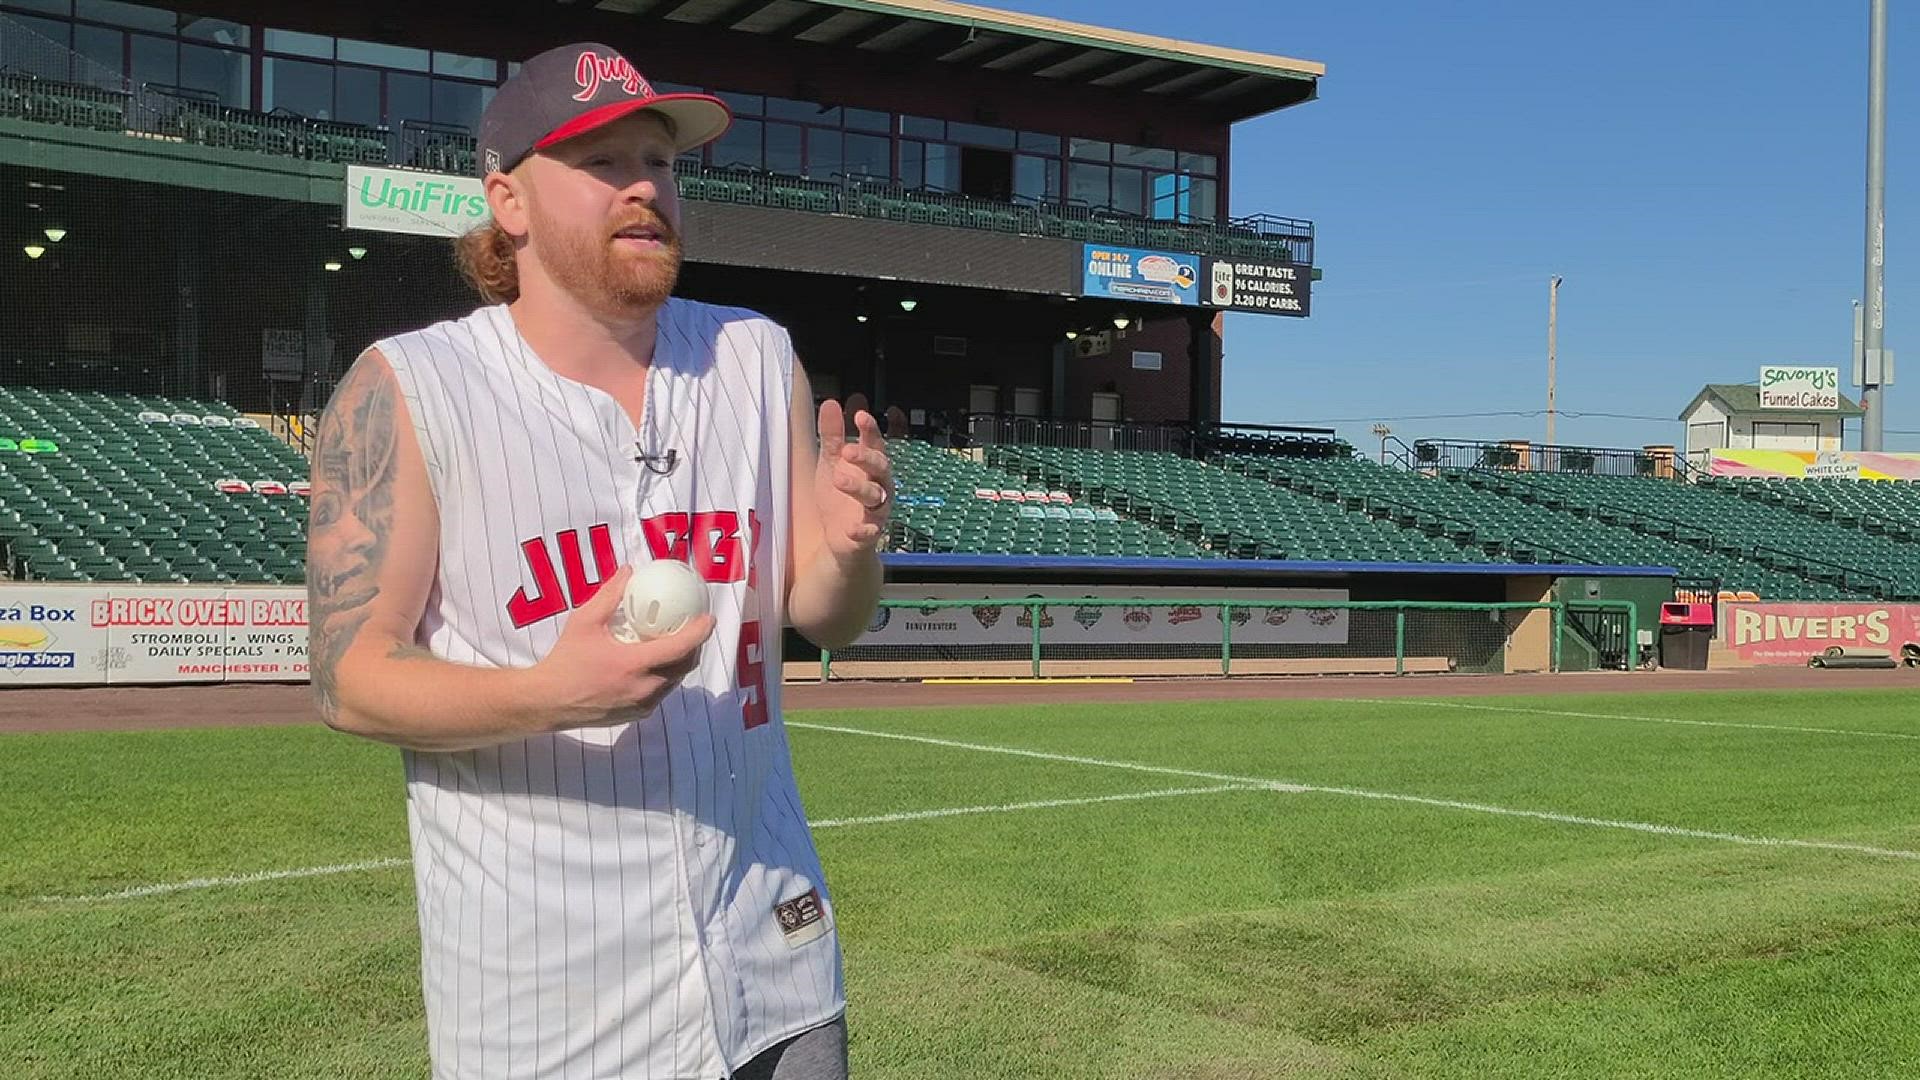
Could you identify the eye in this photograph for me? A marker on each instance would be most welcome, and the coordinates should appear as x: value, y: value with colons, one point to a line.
x: 598, y: 161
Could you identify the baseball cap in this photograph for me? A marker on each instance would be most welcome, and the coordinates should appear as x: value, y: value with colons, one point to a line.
x: 574, y: 89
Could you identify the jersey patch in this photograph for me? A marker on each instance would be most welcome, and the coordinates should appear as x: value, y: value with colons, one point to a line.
x: 803, y: 919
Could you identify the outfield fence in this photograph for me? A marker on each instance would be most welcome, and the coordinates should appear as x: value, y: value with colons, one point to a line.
x: 1037, y: 637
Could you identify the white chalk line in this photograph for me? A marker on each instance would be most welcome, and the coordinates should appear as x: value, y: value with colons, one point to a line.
x: 163, y: 889
x: 1289, y: 787
x: 141, y: 891
x: 1636, y: 719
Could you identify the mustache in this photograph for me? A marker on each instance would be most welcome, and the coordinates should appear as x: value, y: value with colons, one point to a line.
x: 647, y: 220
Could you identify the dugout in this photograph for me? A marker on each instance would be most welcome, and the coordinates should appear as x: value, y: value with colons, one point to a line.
x: 1326, y: 618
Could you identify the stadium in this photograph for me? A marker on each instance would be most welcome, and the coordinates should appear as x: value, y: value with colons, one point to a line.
x: 1178, y: 747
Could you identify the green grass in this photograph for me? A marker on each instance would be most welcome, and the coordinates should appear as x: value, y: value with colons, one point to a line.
x: 1242, y: 933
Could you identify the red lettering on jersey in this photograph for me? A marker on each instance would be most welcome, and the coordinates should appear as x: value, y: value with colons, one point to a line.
x: 549, y: 600
x: 605, y: 562
x: 709, y: 541
x: 667, y: 535
x: 716, y: 546
x: 750, y: 671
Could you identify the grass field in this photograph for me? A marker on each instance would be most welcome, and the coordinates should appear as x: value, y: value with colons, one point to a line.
x: 1495, y: 887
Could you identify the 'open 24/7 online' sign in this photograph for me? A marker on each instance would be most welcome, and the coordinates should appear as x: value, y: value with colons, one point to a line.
x: 1169, y: 277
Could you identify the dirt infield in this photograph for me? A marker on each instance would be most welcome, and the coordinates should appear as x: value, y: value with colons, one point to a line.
x: 135, y: 708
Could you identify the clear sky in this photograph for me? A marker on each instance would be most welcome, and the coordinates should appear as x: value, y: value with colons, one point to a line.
x: 1693, y: 169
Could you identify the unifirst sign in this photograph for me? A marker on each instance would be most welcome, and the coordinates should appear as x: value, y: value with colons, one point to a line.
x: 1783, y: 387
x: 426, y: 204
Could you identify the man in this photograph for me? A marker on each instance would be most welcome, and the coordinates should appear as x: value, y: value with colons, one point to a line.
x: 613, y: 872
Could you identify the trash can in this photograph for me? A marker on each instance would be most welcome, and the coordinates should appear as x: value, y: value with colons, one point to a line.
x: 1686, y: 633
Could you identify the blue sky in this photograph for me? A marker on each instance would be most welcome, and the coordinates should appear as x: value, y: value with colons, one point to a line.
x: 1694, y: 170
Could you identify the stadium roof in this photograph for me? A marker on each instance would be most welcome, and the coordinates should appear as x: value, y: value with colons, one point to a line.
x: 1232, y: 83
x: 1742, y: 399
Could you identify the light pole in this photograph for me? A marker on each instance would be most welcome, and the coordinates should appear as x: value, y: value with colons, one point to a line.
x: 1383, y: 433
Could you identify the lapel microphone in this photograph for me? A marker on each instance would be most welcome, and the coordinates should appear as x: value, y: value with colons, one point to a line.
x: 658, y: 464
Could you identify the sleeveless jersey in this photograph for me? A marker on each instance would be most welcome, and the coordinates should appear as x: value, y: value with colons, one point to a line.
x: 641, y: 900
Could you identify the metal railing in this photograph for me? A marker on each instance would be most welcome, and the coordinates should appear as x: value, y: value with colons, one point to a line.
x: 1507, y: 457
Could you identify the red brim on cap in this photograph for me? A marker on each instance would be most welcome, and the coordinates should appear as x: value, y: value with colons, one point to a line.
x: 695, y: 119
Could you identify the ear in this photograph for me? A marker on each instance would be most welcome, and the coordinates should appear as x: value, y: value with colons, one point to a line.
x: 507, y: 199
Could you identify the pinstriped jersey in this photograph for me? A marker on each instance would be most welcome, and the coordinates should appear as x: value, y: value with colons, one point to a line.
x: 639, y: 900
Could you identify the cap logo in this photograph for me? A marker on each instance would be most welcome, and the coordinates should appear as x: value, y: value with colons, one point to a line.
x: 592, y: 69
x: 493, y: 160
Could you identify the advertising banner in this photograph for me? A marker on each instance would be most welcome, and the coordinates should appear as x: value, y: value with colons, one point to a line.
x: 1260, y: 287
x: 1784, y: 387
x: 1812, y: 465
x: 1791, y: 633
x: 93, y: 634
x: 1156, y: 277
x: 45, y: 637
x: 1067, y: 623
x: 425, y: 204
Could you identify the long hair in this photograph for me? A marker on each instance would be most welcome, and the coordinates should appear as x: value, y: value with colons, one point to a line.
x: 486, y: 260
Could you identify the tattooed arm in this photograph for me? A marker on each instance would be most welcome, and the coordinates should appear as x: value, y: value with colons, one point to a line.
x: 372, y: 553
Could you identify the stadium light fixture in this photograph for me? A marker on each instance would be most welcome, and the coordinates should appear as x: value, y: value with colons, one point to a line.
x: 1071, y: 334
x: 859, y: 318
x: 357, y: 252
x: 332, y: 265
x: 1121, y: 322
x: 908, y: 305
x: 56, y: 235
x: 34, y: 251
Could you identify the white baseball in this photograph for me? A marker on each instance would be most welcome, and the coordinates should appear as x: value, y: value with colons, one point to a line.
x: 661, y: 596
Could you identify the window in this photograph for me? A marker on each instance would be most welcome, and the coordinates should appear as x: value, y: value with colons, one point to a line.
x: 806, y: 112
x: 1707, y: 436
x: 156, y: 60
x: 923, y: 128
x: 1035, y: 143
x: 743, y: 104
x: 1168, y: 196
x: 825, y: 153
x: 1198, y: 163
x: 783, y: 148
x: 465, y: 67
x: 104, y: 47
x: 943, y: 167
x: 51, y: 7
x: 1089, y: 184
x: 981, y: 135
x: 868, y: 120
x: 458, y: 104
x: 1138, y: 155
x: 133, y: 15
x: 867, y: 155
x: 409, y: 97
x: 221, y: 72
x: 1090, y: 149
x: 913, y: 173
x: 217, y: 31
x: 386, y: 56
x: 298, y: 86
x: 298, y: 44
x: 739, y: 147
x: 1126, y: 191
x: 1774, y: 435
x: 1036, y: 179
x: 1204, y: 205
x: 356, y: 96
